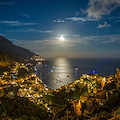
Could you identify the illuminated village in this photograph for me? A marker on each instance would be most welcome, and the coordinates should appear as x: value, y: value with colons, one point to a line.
x: 91, y: 97
x: 78, y: 77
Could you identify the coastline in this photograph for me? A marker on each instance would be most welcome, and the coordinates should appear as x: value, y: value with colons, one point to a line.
x: 31, y: 87
x: 61, y: 71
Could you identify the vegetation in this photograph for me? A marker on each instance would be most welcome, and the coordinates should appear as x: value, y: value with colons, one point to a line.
x: 2, y: 92
x: 22, y: 72
x: 110, y: 86
x: 114, y: 101
x: 5, y: 60
x: 62, y: 96
x: 2, y: 69
x: 21, y: 108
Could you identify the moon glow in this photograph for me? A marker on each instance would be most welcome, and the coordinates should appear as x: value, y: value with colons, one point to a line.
x: 62, y: 38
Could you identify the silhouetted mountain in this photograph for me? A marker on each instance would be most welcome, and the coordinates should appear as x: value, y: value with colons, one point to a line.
x: 18, y: 53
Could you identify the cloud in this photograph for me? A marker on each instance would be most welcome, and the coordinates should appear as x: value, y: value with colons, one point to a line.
x: 16, y: 23
x: 1, y: 34
x: 117, y: 21
x: 76, y: 35
x: 89, y: 46
x: 75, y: 44
x: 81, y: 11
x: 8, y: 22
x: 33, y: 30
x: 47, y: 31
x: 34, y: 45
x: 84, y: 19
x: 104, y: 39
x: 75, y: 40
x: 59, y: 21
x: 111, y: 38
x: 116, y: 17
x: 77, y: 13
x: 98, y: 8
x: 104, y: 25
x: 25, y: 15
x: 27, y: 30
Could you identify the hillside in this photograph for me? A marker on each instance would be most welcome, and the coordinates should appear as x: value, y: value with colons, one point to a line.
x: 18, y: 53
x: 5, y: 59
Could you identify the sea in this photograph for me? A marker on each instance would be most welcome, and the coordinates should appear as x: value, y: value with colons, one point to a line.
x: 61, y: 71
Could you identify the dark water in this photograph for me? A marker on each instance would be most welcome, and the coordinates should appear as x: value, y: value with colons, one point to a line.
x: 61, y: 71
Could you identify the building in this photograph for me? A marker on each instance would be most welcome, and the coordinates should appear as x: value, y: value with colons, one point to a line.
x: 77, y: 107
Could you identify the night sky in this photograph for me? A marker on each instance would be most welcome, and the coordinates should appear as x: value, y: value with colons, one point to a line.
x: 70, y: 28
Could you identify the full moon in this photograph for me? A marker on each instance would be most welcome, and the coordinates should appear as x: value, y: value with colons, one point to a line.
x: 62, y: 38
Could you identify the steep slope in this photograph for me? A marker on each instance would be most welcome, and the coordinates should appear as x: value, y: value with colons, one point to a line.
x: 5, y: 59
x: 18, y: 53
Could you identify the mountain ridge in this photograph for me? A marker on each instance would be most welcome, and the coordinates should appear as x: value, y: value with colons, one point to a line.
x: 18, y: 53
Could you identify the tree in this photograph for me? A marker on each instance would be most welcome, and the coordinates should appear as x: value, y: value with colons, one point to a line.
x: 18, y: 107
x: 113, y: 101
x: 2, y: 93
x: 110, y: 86
x: 22, y: 72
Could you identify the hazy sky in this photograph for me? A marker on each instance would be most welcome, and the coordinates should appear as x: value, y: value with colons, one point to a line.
x: 90, y: 28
